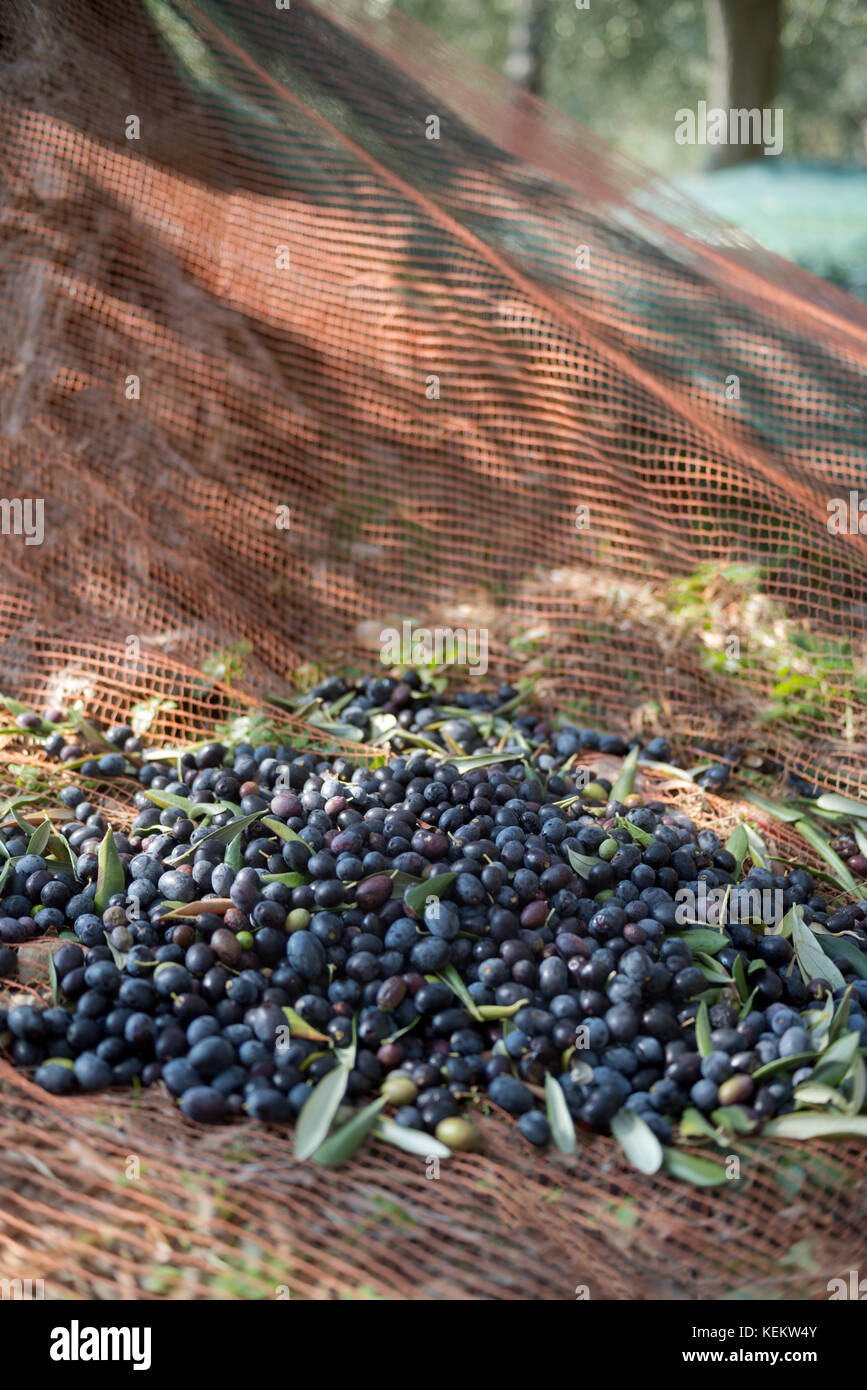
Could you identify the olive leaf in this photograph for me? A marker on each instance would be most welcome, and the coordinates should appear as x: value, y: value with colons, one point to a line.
x: 234, y: 858
x: 859, y: 1085
x: 474, y: 760
x: 733, y: 1119
x: 638, y: 1141
x: 636, y: 834
x: 693, y: 1123
x: 582, y: 863
x: 319, y: 1110
x: 40, y: 837
x: 198, y: 909
x: 492, y: 1013
x: 626, y: 780
x: 758, y: 849
x: 412, y: 1141
x: 290, y: 880
x: 119, y: 957
x: 832, y: 801
x: 449, y: 976
x: 769, y: 1069
x: 737, y: 845
x: 110, y: 876
x: 300, y: 1028
x: 702, y: 1030
x: 772, y: 808
x: 221, y: 835
x: 559, y: 1118
x: 843, y: 948
x: 806, y: 1124
x: 841, y: 1016
x: 704, y: 939
x: 835, y: 1061
x: 343, y: 1143
x: 814, y: 1093
x: 53, y: 980
x: 435, y: 887
x: 161, y: 798
x: 842, y: 873
x: 702, y: 1172
x: 812, y: 961
x: 282, y: 830
x: 740, y: 978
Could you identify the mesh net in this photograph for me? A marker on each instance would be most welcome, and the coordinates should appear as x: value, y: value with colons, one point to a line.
x: 312, y: 325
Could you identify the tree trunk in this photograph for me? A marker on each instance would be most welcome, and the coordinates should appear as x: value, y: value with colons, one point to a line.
x: 525, y: 60
x: 744, y: 46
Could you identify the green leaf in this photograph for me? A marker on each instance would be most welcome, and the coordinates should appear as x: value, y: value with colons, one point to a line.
x: 343, y: 1143
x: 110, y: 877
x: 737, y: 845
x: 582, y: 863
x: 842, y: 872
x: 626, y: 780
x: 222, y: 835
x: 740, y: 979
x: 412, y: 1141
x: 636, y: 834
x: 290, y: 880
x: 282, y: 830
x: 638, y: 1141
x: 234, y: 856
x: 772, y: 808
x: 63, y: 852
x: 769, y: 1069
x: 702, y: 1172
x: 706, y: 940
x: 449, y: 976
x: 319, y: 1110
x: 831, y: 801
x: 53, y: 980
x: 806, y: 1124
x: 40, y: 837
x: 814, y: 1094
x: 812, y: 961
x: 562, y: 1125
x: 436, y: 887
x: 841, y: 1016
x: 493, y: 1013
x: 693, y: 1122
x: 835, y: 1061
x: 859, y: 1085
x: 300, y: 1028
x: 703, y: 1030
x: 161, y: 798
x: 733, y: 1119
x: 474, y: 760
x: 119, y: 957
x: 758, y: 849
x: 843, y: 948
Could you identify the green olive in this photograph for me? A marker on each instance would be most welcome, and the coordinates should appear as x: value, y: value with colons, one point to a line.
x: 245, y: 940
x: 608, y: 848
x: 297, y: 919
x: 459, y: 1134
x: 594, y: 791
x: 398, y: 1089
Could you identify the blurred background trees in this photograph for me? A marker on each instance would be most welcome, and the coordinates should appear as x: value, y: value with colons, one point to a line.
x: 624, y: 67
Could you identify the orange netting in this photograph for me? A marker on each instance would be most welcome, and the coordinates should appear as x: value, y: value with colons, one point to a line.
x: 287, y: 370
